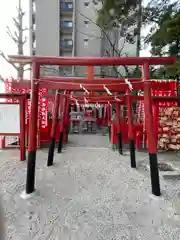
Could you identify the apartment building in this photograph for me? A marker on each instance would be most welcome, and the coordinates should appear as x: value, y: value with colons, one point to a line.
x: 68, y: 28
x: 64, y: 28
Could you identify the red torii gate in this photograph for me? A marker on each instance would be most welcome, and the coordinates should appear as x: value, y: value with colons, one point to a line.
x: 119, y: 100
x: 142, y: 61
x: 97, y: 83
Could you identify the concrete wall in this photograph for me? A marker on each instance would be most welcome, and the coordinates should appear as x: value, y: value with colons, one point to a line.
x: 47, y: 27
x: 88, y: 31
x: 121, y: 48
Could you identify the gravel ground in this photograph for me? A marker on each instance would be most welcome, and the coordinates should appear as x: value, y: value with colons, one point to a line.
x: 91, y: 193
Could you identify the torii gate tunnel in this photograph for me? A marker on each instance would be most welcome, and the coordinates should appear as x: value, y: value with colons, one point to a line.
x: 92, y: 86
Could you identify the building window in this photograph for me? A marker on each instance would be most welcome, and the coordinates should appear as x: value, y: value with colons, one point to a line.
x: 67, y: 5
x: 33, y: 52
x: 34, y: 44
x: 86, y: 40
x: 33, y: 7
x: 34, y: 27
x: 33, y: 18
x: 86, y: 22
x: 69, y: 42
x: 66, y: 43
x: 67, y: 24
x: 86, y: 3
x: 33, y: 36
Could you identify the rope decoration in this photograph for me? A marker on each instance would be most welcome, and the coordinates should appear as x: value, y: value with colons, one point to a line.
x: 76, y: 101
x: 81, y: 86
x: 86, y: 101
x: 129, y: 84
x: 117, y: 99
x: 107, y: 90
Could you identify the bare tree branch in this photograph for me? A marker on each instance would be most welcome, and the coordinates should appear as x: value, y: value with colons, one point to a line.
x: 14, y: 37
x: 113, y: 51
x: 25, y: 29
x: 112, y: 45
x: 16, y: 34
x: 6, y: 59
x: 25, y: 40
x: 17, y: 22
x: 27, y: 69
x: 104, y: 31
x: 18, y: 38
x: 89, y: 35
x: 20, y: 11
x: 2, y: 79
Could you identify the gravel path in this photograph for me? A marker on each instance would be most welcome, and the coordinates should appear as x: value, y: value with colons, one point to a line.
x: 89, y: 194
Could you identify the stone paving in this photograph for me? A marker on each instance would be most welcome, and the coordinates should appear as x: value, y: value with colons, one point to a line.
x: 90, y: 193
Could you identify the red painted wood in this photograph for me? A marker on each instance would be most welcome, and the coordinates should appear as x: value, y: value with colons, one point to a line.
x: 93, y: 61
x: 152, y: 147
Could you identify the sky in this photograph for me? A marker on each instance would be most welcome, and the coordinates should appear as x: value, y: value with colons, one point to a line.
x: 7, y: 12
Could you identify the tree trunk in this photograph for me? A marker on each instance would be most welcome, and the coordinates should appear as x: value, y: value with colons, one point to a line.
x: 139, y: 19
x: 20, y: 73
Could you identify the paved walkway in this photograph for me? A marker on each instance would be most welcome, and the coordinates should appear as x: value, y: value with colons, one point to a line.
x: 91, y: 193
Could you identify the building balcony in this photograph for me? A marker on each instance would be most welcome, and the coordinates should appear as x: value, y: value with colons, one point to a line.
x: 66, y: 26
x: 33, y: 18
x: 66, y: 45
x: 33, y: 35
x: 66, y: 8
x: 33, y: 51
